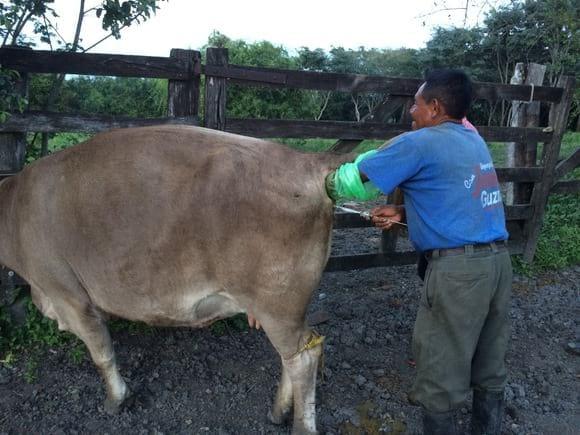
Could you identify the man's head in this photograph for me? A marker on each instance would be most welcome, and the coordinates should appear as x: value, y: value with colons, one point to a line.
x: 445, y: 95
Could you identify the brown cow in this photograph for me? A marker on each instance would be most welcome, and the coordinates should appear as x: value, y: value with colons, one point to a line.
x: 176, y: 225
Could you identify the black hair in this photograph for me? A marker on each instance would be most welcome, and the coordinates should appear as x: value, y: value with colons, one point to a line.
x: 453, y: 89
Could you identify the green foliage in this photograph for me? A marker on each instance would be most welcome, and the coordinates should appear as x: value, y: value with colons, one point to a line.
x: 570, y: 143
x: 57, y: 142
x: 41, y: 330
x: 133, y: 328
x: 36, y: 333
x: 16, y: 14
x: 342, y: 106
x: 309, y: 145
x: 120, y: 96
x: 498, y: 151
x: 454, y: 47
x: 77, y: 353
x: 559, y: 243
x: 10, y: 98
x: 117, y: 14
x: 31, y: 369
x: 236, y: 323
x: 246, y: 102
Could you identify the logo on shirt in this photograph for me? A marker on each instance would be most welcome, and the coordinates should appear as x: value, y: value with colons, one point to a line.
x: 469, y: 181
x: 484, y: 186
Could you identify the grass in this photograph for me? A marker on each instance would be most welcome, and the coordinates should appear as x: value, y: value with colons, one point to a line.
x: 36, y: 334
x: 559, y: 241
x: 237, y: 323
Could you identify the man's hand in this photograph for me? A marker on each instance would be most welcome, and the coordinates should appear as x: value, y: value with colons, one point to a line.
x: 386, y: 216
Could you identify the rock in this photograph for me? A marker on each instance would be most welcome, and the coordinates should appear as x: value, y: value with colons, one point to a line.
x: 318, y: 317
x: 519, y: 391
x: 5, y: 376
x: 359, y: 329
x: 545, y: 388
x: 379, y: 372
x: 573, y: 347
x: 371, y: 336
x: 350, y: 415
x: 359, y: 380
x: 348, y: 338
x: 512, y: 412
x: 74, y: 394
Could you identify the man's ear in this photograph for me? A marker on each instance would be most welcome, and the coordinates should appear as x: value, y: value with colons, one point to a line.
x: 435, y: 108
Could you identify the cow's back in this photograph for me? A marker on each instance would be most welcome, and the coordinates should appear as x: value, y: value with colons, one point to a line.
x: 148, y: 219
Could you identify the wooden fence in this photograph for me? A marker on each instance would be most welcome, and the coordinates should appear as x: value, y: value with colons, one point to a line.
x: 184, y: 71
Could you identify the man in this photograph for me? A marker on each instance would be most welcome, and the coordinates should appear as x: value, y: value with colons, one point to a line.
x: 455, y: 215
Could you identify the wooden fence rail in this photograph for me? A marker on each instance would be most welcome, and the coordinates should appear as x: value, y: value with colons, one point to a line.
x: 119, y: 65
x: 184, y: 71
x: 263, y: 128
x: 363, y: 83
x: 37, y: 61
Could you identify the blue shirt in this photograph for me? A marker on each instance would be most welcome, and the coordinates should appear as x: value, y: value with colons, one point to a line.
x: 452, y: 195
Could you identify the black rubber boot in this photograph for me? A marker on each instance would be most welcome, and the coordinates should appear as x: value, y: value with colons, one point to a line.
x: 487, y: 413
x: 439, y: 423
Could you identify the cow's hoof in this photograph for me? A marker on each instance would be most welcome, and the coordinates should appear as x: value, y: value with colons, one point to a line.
x: 303, y: 432
x: 142, y: 398
x: 279, y: 418
x: 112, y: 406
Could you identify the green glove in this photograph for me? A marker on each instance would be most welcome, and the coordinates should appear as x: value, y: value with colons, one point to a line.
x: 345, y: 182
x: 364, y: 155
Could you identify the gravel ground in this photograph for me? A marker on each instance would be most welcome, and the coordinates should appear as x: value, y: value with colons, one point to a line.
x: 198, y: 381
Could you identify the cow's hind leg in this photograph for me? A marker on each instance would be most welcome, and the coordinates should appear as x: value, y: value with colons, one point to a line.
x: 300, y: 350
x: 283, y: 402
x: 84, y: 321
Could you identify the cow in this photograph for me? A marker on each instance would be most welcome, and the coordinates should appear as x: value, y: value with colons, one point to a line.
x: 176, y: 226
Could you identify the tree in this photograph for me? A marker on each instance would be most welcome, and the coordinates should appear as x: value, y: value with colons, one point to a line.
x: 263, y: 102
x: 541, y: 31
x: 40, y: 19
x: 33, y: 22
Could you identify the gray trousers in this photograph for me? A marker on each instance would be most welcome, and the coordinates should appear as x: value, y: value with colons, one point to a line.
x: 462, y: 328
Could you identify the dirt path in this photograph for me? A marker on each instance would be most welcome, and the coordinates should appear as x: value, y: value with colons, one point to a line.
x: 196, y: 381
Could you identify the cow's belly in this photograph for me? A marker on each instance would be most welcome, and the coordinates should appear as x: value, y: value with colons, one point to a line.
x: 192, y: 308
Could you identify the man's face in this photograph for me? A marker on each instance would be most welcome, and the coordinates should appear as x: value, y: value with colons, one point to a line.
x: 424, y: 114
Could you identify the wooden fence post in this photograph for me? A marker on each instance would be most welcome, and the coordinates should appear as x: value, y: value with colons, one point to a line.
x: 558, y: 119
x: 216, y: 90
x: 13, y: 145
x: 183, y: 95
x: 524, y: 114
x: 12, y: 159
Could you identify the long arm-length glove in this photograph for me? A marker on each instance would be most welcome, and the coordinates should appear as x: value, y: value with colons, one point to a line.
x: 345, y: 182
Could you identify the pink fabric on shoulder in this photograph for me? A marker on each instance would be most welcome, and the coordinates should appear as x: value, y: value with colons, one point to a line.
x: 468, y: 124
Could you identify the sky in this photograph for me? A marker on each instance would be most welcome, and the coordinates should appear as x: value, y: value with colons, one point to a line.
x: 293, y: 24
